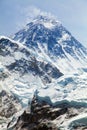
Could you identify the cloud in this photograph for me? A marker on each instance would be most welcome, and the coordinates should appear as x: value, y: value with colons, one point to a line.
x: 31, y: 12
x: 27, y: 14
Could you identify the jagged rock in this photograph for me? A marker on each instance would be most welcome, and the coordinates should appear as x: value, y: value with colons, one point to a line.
x: 40, y: 117
x: 26, y: 63
x: 31, y: 121
x: 9, y: 104
x: 44, y: 116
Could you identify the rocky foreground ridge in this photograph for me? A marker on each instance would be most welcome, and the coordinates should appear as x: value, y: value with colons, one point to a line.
x: 43, y: 116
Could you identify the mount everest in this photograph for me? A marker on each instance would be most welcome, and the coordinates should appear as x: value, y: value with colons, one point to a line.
x: 45, y: 60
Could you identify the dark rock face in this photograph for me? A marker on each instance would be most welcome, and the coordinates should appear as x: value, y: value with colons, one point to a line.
x: 6, y: 45
x: 43, y: 116
x: 9, y: 104
x: 26, y: 62
x: 43, y: 109
x: 40, y: 117
x: 43, y: 70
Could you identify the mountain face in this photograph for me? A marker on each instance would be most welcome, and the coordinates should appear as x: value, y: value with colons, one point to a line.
x: 19, y: 59
x: 20, y: 74
x: 45, y: 61
x: 23, y: 69
x: 49, y: 38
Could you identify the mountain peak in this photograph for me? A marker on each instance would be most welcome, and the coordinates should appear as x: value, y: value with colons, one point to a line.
x: 46, y: 35
x: 47, y: 20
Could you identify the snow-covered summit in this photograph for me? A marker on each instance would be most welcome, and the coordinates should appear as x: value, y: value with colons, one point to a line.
x: 51, y: 41
x: 48, y: 21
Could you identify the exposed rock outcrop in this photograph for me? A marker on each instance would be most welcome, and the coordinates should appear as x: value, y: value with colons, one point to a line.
x: 40, y: 117
x: 9, y: 104
x: 43, y: 116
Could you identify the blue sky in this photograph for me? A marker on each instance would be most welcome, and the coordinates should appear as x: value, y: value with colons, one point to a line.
x: 72, y: 13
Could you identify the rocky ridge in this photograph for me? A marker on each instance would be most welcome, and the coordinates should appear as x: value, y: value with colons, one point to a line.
x: 42, y: 116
